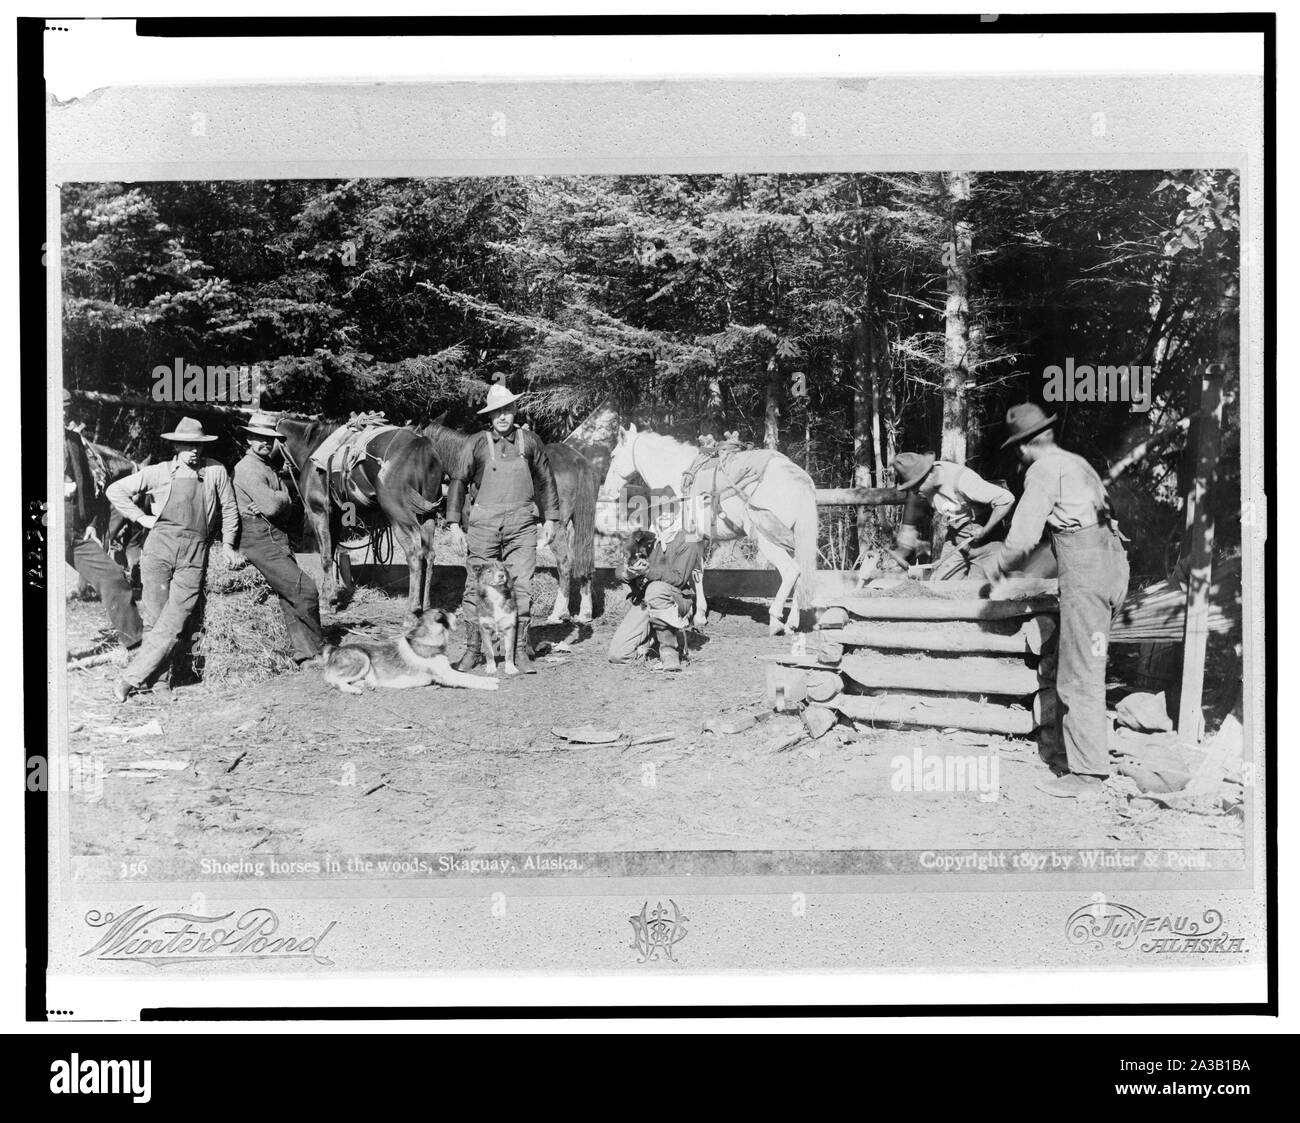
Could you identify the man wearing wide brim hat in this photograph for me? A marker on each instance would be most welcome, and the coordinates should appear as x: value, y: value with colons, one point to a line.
x: 264, y: 507
x: 180, y: 502
x: 1065, y: 495
x: 513, y: 481
x: 955, y: 492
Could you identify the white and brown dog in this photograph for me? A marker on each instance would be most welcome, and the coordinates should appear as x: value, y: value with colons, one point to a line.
x: 416, y: 658
x: 498, y: 617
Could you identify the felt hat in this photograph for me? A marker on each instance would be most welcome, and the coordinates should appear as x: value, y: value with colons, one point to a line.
x: 189, y: 432
x: 1025, y: 421
x: 497, y: 397
x: 261, y: 425
x: 910, y: 468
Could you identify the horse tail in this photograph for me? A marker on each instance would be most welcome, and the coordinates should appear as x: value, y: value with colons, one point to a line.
x: 583, y: 548
x: 417, y: 503
x: 805, y: 548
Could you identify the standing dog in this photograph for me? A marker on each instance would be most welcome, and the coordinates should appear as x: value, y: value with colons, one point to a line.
x: 498, y: 617
x: 417, y: 658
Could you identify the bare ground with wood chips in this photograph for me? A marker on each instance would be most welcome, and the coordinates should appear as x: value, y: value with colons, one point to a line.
x: 287, y: 766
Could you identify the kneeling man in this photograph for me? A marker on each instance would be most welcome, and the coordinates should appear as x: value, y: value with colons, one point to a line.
x: 673, y: 573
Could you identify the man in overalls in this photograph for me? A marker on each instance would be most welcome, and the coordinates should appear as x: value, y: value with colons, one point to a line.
x: 514, y: 481
x: 183, y: 499
x: 1065, y: 494
x: 264, y: 504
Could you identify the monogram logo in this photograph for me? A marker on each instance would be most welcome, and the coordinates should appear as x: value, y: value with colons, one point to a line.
x: 655, y: 933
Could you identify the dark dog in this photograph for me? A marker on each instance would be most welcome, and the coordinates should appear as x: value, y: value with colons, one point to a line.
x: 498, y: 617
x: 416, y: 658
x: 636, y: 557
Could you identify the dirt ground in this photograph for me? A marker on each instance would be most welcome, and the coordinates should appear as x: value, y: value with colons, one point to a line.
x: 289, y: 766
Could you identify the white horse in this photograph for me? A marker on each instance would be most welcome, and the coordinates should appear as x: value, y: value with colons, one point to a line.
x: 778, y: 510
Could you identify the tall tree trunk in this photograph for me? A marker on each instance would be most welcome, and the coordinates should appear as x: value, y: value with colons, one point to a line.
x: 886, y: 516
x: 863, y: 447
x: 864, y: 426
x: 956, y: 320
x: 772, y: 414
x: 714, y: 418
x: 873, y: 360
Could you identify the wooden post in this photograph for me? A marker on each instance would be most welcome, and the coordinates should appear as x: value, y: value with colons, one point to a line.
x: 1199, y: 535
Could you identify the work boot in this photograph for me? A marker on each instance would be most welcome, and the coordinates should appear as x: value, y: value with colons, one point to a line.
x: 525, y: 651
x: 473, y: 656
x: 669, y: 657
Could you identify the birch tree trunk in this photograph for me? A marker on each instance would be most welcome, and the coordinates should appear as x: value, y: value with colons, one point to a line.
x: 772, y: 414
x: 956, y: 320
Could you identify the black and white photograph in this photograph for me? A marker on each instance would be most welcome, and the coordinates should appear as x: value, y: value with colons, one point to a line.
x: 655, y: 531
x: 576, y: 520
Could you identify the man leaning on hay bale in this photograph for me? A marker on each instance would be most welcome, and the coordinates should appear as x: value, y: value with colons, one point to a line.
x: 264, y: 503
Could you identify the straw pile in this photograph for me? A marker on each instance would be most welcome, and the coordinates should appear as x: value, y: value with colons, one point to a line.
x: 243, y: 638
x: 1158, y: 613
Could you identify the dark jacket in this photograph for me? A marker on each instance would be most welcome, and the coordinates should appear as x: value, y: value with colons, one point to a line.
x: 475, y: 459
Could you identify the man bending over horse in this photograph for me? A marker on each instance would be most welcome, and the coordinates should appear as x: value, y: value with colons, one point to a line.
x: 514, y: 481
x: 673, y: 572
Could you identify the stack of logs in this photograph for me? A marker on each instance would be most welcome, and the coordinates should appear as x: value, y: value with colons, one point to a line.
x: 949, y: 658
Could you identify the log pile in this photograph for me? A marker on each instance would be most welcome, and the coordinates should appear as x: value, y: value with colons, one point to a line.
x: 945, y: 658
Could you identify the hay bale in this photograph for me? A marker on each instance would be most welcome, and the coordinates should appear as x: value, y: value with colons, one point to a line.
x: 243, y: 639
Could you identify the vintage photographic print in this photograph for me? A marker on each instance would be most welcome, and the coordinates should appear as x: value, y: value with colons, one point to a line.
x: 707, y: 542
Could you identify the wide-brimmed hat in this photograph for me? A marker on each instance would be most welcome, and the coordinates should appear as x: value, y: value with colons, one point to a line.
x: 1025, y: 421
x: 189, y: 432
x: 497, y: 397
x: 910, y: 468
x: 261, y: 425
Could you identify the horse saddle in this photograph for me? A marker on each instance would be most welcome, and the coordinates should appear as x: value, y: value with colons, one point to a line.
x: 723, y: 470
x: 341, y: 456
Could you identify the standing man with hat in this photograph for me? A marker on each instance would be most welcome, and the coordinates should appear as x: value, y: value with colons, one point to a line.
x: 1065, y: 494
x: 183, y: 498
x: 514, y: 482
x: 953, y: 491
x: 264, y: 505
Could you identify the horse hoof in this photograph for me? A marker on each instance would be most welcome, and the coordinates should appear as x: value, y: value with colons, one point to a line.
x: 583, y: 619
x: 554, y: 621
x: 775, y: 627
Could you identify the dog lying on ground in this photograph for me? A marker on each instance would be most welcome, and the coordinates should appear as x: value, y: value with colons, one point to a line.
x: 416, y: 658
x: 498, y: 617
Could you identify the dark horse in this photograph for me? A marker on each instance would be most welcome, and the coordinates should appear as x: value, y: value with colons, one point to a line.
x: 404, y: 475
x: 577, y: 483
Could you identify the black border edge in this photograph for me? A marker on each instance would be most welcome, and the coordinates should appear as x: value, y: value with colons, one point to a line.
x: 1270, y: 496
x: 32, y: 406
x: 32, y: 310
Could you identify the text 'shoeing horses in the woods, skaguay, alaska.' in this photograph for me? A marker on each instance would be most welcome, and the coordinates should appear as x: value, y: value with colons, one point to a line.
x: 577, y: 483
x: 759, y: 494
x: 403, y: 477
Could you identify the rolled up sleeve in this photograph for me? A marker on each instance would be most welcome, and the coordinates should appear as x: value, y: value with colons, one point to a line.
x: 121, y: 494
x: 229, y: 508
x: 1027, y: 523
